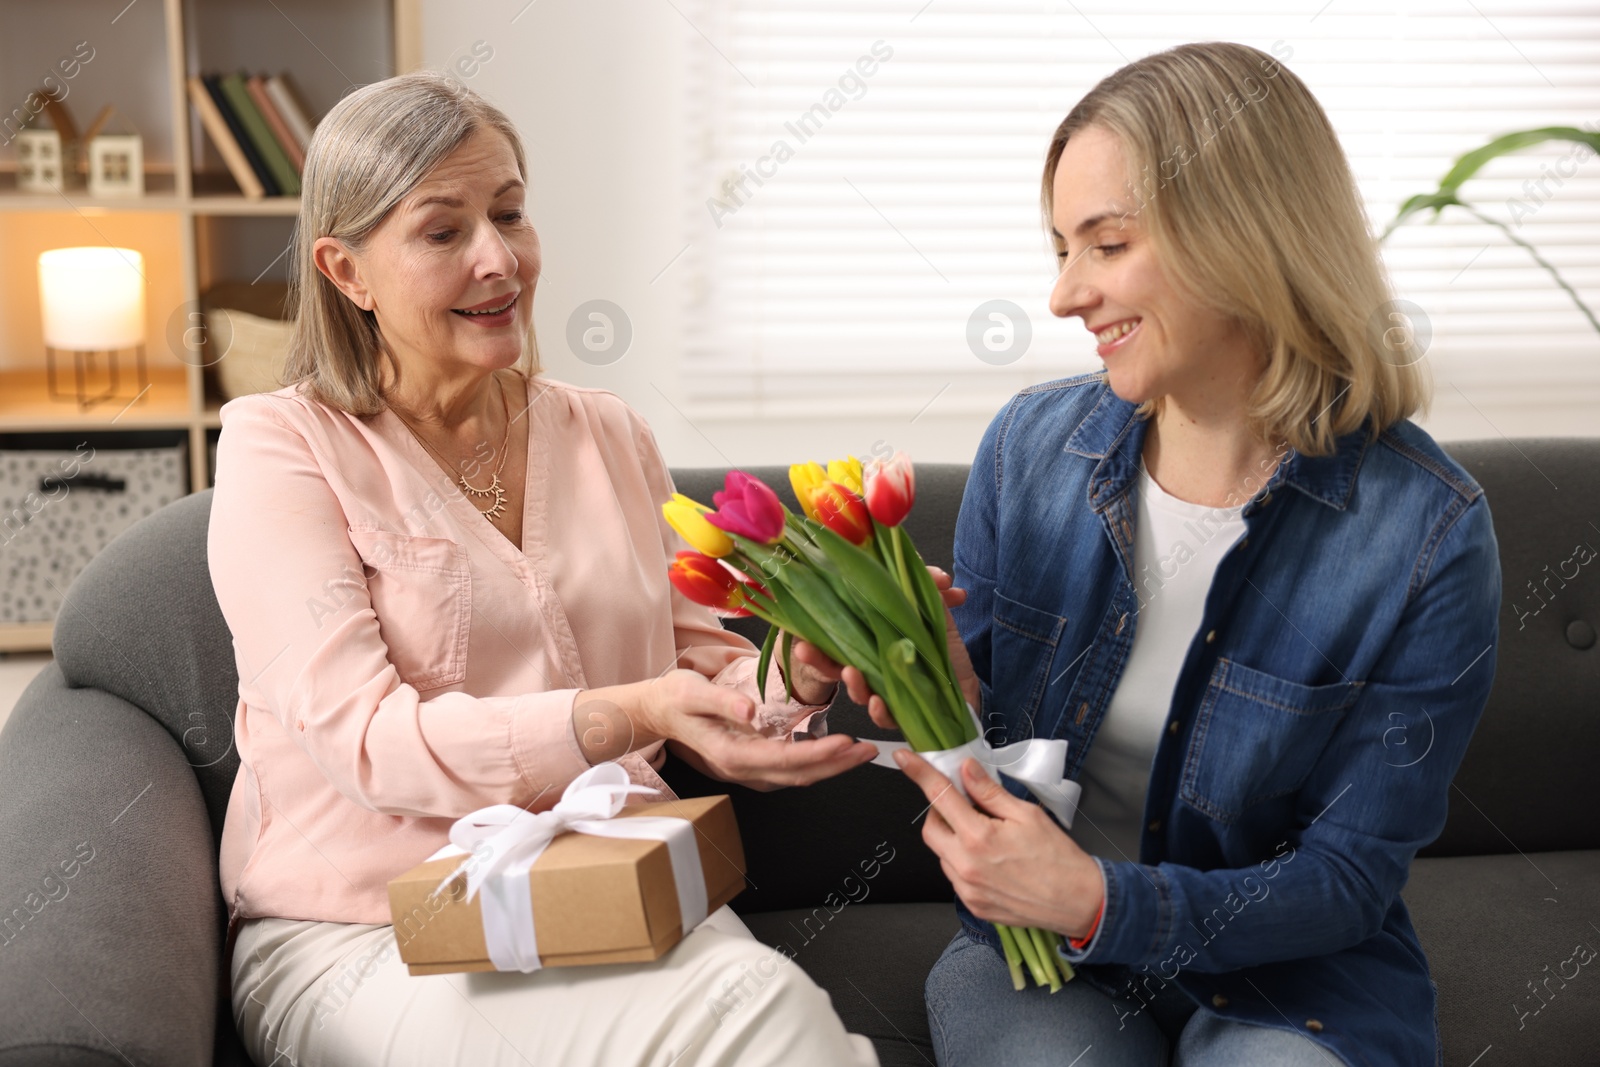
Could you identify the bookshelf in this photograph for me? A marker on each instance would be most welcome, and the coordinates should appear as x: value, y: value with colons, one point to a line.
x: 193, y: 226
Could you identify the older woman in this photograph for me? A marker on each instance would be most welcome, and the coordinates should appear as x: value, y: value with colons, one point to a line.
x: 1257, y: 600
x: 445, y: 576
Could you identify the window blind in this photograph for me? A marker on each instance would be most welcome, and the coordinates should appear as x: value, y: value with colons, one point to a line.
x: 863, y: 185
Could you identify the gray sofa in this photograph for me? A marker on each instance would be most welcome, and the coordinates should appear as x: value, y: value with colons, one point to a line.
x: 115, y: 769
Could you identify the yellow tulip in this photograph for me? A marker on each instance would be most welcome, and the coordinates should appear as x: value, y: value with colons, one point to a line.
x: 688, y: 517
x: 847, y: 472
x: 804, y: 478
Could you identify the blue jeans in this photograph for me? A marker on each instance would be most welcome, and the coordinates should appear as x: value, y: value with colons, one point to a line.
x: 976, y: 1018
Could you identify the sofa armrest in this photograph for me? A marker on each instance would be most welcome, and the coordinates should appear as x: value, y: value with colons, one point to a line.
x: 110, y: 935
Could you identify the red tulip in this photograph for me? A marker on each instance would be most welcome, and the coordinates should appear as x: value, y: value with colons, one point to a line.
x: 891, y: 488
x: 746, y: 507
x: 707, y: 582
x: 843, y: 512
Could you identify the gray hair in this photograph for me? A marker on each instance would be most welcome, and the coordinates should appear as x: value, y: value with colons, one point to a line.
x: 367, y: 154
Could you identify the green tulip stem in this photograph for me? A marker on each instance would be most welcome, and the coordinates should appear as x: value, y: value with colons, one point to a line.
x: 1047, y: 955
x: 1030, y: 955
x: 1008, y: 945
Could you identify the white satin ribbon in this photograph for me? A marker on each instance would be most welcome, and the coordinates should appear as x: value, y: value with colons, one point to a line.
x: 1036, y: 763
x: 505, y: 842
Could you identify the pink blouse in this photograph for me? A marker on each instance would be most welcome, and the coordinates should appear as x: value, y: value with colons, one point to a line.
x: 401, y: 663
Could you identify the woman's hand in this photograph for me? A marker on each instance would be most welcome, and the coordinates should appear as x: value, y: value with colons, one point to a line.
x: 710, y: 727
x: 766, y: 763
x: 611, y: 721
x: 813, y: 682
x: 1008, y: 861
x: 855, y: 682
x: 730, y: 749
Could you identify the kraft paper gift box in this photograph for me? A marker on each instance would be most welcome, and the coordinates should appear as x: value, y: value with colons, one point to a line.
x: 595, y: 899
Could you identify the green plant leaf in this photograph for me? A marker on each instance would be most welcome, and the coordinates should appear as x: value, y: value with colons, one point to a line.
x: 1469, y: 163
x: 910, y: 713
x: 1472, y: 162
x: 788, y: 664
x: 876, y: 590
x: 766, y: 658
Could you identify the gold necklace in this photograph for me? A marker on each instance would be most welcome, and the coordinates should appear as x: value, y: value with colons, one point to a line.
x: 494, y: 489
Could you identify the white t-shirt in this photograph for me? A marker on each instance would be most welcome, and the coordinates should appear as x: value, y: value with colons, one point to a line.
x: 1176, y: 548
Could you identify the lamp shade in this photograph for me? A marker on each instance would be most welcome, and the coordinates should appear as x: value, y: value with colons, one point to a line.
x: 92, y: 298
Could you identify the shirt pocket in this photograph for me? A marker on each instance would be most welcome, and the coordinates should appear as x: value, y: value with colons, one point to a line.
x: 1256, y: 737
x: 1022, y: 647
x: 421, y: 591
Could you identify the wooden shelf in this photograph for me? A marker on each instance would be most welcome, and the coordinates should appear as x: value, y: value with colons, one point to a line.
x: 161, y: 194
x: 217, y: 194
x: 26, y: 637
x: 211, y: 232
x: 27, y: 407
x: 214, y: 195
x: 238, y: 204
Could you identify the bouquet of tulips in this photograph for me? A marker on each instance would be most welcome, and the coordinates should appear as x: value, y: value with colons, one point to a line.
x: 845, y: 577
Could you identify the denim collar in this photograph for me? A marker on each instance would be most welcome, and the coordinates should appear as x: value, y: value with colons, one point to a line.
x: 1112, y: 434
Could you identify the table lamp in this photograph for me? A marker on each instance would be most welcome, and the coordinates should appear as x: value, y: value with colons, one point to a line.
x: 92, y: 301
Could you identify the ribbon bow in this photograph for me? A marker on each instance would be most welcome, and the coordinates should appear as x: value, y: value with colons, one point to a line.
x: 505, y: 842
x: 1036, y: 763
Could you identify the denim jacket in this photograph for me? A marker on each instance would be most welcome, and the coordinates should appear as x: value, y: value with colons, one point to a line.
x: 1321, y: 711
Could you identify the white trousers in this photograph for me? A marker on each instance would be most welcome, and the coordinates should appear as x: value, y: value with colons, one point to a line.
x: 309, y: 994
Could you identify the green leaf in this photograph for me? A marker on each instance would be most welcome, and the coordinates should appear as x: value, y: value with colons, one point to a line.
x: 933, y: 607
x: 1469, y: 163
x: 877, y: 591
x: 766, y: 658
x: 909, y: 713
x: 788, y: 664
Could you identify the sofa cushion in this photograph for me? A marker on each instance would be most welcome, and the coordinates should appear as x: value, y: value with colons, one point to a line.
x: 1527, y: 781
x: 1499, y: 931
x: 873, y: 959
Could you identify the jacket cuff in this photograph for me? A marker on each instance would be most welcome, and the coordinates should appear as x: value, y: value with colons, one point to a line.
x: 1134, y: 920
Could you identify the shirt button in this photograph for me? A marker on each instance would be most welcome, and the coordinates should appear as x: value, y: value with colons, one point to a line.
x: 1314, y: 1026
x: 1219, y: 1001
x: 1173, y: 728
x: 1266, y: 498
x: 1155, y: 826
x: 1083, y: 709
x: 1242, y: 542
x: 1211, y: 635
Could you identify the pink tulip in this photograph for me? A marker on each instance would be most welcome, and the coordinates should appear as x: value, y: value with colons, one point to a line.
x: 746, y: 507
x: 891, y: 488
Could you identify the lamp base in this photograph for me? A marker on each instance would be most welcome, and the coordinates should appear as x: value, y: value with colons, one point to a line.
x: 80, y: 373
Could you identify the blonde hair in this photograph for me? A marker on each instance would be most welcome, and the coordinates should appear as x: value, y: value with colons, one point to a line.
x: 1265, y: 226
x: 367, y: 154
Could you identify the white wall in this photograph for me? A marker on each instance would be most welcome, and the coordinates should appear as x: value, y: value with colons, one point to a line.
x: 596, y: 87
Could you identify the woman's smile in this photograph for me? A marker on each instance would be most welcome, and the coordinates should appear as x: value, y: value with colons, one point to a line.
x: 1114, y: 336
x: 496, y: 311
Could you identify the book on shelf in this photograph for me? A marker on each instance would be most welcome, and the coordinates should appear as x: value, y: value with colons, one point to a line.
x: 260, y: 126
x: 257, y: 84
x: 292, y: 108
x: 213, y: 84
x: 256, y: 128
x: 215, y: 120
